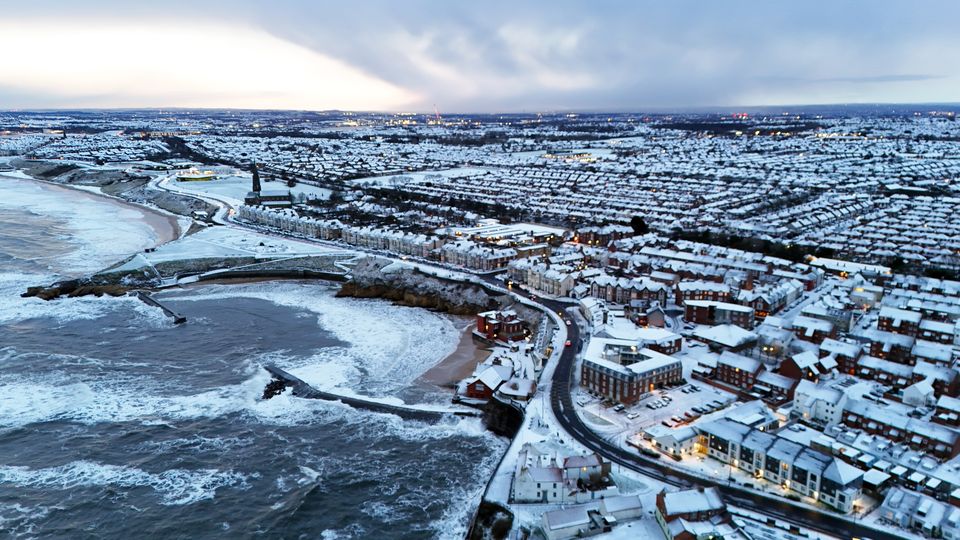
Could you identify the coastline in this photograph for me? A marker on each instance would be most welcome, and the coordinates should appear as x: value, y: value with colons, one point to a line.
x: 166, y: 226
x: 459, y: 364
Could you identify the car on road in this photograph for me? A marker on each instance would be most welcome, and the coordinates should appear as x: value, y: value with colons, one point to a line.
x: 619, y: 408
x: 568, y: 322
x: 568, y: 343
x: 633, y: 415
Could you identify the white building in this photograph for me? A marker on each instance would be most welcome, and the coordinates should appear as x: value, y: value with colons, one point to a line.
x: 818, y: 403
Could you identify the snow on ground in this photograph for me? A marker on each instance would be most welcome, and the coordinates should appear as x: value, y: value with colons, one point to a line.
x: 619, y: 425
x: 403, y: 178
x: 542, y: 428
x: 230, y: 242
x: 874, y: 519
x: 756, y: 524
x: 233, y: 189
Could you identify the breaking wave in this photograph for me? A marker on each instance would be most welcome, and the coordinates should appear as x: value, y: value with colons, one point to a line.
x: 174, y: 486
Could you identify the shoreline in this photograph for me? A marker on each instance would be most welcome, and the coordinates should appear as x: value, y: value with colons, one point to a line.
x: 165, y: 226
x: 457, y: 365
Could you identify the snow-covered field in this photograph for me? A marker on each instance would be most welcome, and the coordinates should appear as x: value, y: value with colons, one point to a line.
x: 233, y: 189
x: 230, y: 242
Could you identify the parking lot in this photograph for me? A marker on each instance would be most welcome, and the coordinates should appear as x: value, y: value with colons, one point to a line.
x: 657, y: 407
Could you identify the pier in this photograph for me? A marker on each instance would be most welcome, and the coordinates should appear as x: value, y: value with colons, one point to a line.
x: 150, y: 300
x: 283, y: 380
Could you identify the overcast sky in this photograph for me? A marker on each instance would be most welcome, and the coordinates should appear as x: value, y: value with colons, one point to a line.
x: 476, y: 56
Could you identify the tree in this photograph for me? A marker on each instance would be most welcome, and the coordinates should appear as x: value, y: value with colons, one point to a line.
x: 639, y: 225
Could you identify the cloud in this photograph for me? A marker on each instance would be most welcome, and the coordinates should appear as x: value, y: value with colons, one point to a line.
x: 184, y: 64
x: 513, y: 55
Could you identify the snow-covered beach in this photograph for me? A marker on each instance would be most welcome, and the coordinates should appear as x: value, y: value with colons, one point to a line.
x: 109, y: 228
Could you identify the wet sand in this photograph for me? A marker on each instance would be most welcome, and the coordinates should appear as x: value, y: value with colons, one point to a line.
x: 459, y: 364
x: 165, y: 225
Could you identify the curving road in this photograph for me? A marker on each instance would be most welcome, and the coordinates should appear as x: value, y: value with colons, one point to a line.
x: 561, y: 402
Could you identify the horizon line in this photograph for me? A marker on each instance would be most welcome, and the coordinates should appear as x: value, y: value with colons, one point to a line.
x: 654, y: 110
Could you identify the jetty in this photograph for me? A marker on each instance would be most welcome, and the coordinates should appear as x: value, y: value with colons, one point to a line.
x: 146, y: 298
x: 283, y: 380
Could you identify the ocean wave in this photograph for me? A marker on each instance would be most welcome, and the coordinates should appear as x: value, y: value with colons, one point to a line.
x: 101, y: 231
x: 14, y: 309
x: 18, y: 520
x: 174, y: 486
x: 393, y: 345
x: 25, y: 401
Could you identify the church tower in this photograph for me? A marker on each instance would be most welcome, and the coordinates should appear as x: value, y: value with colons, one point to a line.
x: 256, y: 178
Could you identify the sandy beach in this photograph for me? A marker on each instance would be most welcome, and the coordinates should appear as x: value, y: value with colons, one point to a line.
x: 459, y: 364
x: 165, y: 225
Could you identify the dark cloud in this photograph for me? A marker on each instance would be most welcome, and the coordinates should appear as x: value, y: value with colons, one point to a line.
x: 565, y: 54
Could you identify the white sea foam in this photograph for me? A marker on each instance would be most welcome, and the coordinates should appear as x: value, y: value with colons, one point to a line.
x: 13, y: 308
x: 103, y: 231
x: 174, y: 486
x: 25, y: 401
x: 17, y: 520
x: 393, y: 345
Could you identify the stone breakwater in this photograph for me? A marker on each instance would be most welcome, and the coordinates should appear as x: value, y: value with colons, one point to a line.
x: 74, y: 288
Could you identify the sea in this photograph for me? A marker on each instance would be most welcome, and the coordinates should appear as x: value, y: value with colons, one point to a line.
x: 117, y: 423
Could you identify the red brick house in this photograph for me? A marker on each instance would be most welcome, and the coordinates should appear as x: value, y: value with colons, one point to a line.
x: 847, y: 355
x: 936, y: 440
x: 702, y: 290
x: 679, y: 508
x: 711, y: 312
x: 807, y: 365
x: 899, y: 321
x: 484, y: 384
x: 737, y: 370
x: 500, y: 326
x: 813, y: 330
x: 890, y: 346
